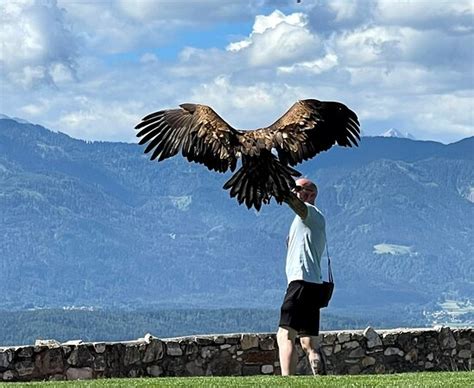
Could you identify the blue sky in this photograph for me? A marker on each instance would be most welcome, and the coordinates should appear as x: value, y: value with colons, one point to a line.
x: 92, y: 69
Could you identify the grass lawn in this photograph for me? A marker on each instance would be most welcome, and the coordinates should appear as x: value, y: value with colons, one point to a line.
x: 432, y: 379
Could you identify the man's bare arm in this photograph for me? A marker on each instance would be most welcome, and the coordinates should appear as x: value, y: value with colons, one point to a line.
x: 297, y: 205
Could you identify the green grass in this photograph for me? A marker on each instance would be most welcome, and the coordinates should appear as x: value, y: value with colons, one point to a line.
x: 432, y: 379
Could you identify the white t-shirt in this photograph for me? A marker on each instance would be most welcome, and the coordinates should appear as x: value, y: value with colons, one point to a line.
x: 306, y: 243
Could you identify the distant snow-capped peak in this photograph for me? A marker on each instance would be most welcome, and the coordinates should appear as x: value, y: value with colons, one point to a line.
x: 392, y: 132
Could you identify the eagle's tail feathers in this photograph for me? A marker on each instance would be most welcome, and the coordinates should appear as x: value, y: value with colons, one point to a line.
x: 260, y: 179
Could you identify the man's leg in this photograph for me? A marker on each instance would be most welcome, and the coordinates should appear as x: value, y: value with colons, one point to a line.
x: 311, y: 346
x: 286, y: 345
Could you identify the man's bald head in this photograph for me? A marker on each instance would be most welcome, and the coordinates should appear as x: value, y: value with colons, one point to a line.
x: 306, y: 190
x: 307, y: 184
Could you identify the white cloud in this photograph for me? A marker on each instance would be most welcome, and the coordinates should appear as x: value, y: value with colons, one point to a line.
x: 278, y: 39
x: 264, y: 23
x: 442, y: 14
x: 32, y: 109
x: 435, y: 113
x: 371, y: 44
x: 60, y: 73
x: 344, y: 9
x: 37, y: 44
x: 404, y: 60
x: 317, y: 66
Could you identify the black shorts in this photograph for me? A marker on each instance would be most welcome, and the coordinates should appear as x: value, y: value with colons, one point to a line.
x: 300, y: 310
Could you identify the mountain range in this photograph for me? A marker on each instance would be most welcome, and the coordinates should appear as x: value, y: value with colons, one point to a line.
x: 98, y: 224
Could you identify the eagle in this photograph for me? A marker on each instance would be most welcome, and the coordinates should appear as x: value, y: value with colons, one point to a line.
x: 267, y: 154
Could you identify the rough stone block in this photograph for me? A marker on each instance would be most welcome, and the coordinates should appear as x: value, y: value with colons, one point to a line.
x: 79, y: 373
x: 195, y: 368
x: 343, y: 337
x: 259, y: 357
x: 6, y: 357
x: 205, y: 341
x: 173, y: 349
x: 464, y: 341
x: 267, y: 344
x: 224, y: 365
x: 373, y: 339
x: 135, y: 372
x: 49, y: 343
x: 327, y: 350
x: 25, y: 368
x: 155, y: 349
x: 99, y: 347
x: 368, y: 361
x: 209, y: 351
x: 249, y: 341
x: 190, y: 349
x: 267, y: 369
x: 99, y: 363
x: 412, y: 355
x: 389, y: 339
x: 132, y: 354
x: 40, y: 348
x: 80, y: 356
x: 350, y: 345
x: 66, y: 350
x: 329, y: 339
x: 50, y: 362
x: 154, y: 370
x: 357, y: 353
x: 464, y: 353
x: 393, y: 352
x: 9, y: 375
x: 233, y: 339
x: 25, y: 352
x: 219, y: 340
x: 446, y: 338
x: 251, y: 370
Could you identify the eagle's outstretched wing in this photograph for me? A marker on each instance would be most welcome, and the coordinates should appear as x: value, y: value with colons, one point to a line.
x: 199, y: 132
x: 309, y: 127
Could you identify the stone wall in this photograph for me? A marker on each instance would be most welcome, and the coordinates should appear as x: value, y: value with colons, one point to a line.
x: 346, y: 352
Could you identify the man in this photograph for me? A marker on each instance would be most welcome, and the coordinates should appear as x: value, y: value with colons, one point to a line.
x: 300, y: 311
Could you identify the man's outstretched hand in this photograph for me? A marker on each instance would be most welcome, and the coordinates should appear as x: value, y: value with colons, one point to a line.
x: 297, y: 205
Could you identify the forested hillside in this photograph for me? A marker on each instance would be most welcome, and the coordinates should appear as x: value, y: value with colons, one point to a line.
x: 98, y: 224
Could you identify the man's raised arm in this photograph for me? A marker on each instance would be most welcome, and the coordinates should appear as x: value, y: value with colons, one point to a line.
x: 297, y: 205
